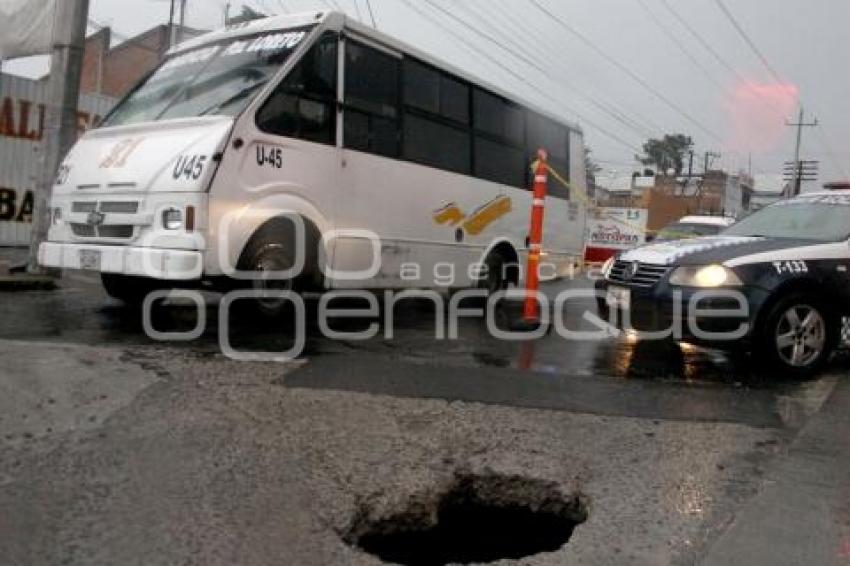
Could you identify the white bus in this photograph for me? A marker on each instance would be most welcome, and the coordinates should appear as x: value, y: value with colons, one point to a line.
x: 203, y: 171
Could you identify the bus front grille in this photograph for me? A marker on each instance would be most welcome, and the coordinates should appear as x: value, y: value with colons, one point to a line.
x: 111, y: 232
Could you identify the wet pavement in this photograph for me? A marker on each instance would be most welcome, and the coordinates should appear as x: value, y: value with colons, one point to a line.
x: 615, y: 376
x: 116, y: 446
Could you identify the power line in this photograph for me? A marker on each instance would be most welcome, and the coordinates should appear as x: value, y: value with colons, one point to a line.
x: 749, y: 41
x: 521, y: 56
x: 644, y: 128
x: 486, y: 55
x: 371, y: 14
x: 719, y: 58
x: 634, y: 76
x: 706, y: 45
x: 654, y: 17
x: 357, y: 9
x: 530, y: 61
x: 778, y: 78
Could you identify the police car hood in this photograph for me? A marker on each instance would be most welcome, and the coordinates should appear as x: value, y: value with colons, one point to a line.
x: 709, y: 250
x: 166, y: 156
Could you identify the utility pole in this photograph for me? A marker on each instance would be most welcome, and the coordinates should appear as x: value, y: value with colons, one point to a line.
x: 798, y: 171
x: 172, y: 40
x: 709, y: 157
x: 60, y: 133
x: 800, y: 124
x: 687, y: 182
x: 178, y: 13
x: 182, y: 19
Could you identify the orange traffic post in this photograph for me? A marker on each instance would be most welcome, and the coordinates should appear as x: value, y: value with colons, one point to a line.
x: 531, y: 311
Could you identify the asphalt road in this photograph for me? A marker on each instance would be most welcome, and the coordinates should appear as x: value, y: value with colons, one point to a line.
x: 609, y: 377
x: 120, y: 449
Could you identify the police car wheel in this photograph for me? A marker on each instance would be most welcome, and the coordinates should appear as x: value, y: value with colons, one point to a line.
x: 798, y: 335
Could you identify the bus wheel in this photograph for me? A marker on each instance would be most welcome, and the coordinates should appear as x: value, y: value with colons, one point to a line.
x: 798, y: 335
x: 126, y: 288
x: 495, y: 280
x: 268, y: 261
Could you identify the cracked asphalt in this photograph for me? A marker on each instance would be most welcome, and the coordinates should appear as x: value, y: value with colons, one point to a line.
x: 115, y: 449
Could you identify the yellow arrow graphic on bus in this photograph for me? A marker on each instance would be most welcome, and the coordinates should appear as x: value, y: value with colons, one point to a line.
x: 451, y: 215
x: 479, y: 220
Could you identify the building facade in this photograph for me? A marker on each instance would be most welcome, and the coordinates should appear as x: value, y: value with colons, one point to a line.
x: 668, y: 198
x: 112, y: 71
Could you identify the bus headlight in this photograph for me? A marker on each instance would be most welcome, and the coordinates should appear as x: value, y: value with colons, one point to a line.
x: 172, y: 219
x: 705, y: 277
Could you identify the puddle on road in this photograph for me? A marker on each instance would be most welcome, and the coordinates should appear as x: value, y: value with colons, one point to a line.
x: 82, y: 316
x: 480, y: 519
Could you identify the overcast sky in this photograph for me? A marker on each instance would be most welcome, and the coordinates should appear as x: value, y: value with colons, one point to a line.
x: 718, y: 91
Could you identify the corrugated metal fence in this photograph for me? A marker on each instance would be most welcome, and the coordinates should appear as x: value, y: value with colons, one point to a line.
x: 22, y: 121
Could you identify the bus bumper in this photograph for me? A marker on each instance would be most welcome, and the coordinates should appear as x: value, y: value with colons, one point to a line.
x: 155, y: 263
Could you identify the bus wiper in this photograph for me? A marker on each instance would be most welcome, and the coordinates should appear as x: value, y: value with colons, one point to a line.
x: 245, y: 92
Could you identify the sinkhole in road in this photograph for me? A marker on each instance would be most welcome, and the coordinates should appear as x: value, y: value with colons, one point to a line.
x: 479, y: 519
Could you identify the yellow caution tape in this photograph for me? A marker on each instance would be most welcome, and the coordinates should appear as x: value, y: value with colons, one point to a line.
x: 584, y: 198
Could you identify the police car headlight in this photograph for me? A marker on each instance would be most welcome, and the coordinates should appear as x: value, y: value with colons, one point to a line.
x: 607, y: 266
x: 172, y: 219
x: 705, y: 277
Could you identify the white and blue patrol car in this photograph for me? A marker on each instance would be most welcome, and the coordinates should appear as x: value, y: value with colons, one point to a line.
x: 776, y: 284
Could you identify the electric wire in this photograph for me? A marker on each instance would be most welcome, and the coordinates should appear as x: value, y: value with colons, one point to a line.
x: 643, y: 128
x: 625, y: 69
x: 597, y: 104
x: 770, y: 68
x: 831, y: 154
x: 680, y: 44
x: 372, y: 14
x: 523, y: 79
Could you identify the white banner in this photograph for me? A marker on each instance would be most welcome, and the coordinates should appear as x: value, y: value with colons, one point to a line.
x: 23, y: 114
x: 26, y: 27
x: 610, y: 230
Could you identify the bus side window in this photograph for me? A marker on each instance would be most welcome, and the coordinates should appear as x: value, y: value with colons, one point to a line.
x: 499, y: 140
x: 436, y: 119
x: 304, y: 104
x: 371, y: 100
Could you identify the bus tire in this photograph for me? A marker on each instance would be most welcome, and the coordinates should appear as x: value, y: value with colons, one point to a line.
x: 270, y: 251
x: 496, y: 279
x: 798, y: 335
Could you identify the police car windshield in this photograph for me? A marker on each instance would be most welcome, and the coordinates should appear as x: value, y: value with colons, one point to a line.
x: 683, y: 230
x: 217, y: 79
x: 821, y: 218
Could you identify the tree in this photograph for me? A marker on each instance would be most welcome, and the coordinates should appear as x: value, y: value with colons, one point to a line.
x: 667, y: 153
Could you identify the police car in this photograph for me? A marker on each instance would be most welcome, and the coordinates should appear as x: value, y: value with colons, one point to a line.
x: 776, y: 284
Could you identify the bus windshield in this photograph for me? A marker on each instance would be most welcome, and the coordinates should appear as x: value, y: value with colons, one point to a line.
x: 217, y: 79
